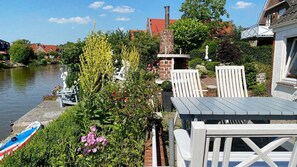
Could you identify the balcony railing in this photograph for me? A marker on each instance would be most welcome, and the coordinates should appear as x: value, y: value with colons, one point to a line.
x: 256, y: 31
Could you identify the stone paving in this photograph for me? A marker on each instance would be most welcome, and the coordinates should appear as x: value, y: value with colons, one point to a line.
x: 45, y: 112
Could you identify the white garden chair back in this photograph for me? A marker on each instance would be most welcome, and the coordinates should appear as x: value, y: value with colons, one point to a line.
x: 185, y: 83
x: 121, y: 75
x: 231, y: 81
x: 194, y: 151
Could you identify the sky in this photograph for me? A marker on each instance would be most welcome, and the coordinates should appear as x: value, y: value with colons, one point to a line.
x: 61, y: 21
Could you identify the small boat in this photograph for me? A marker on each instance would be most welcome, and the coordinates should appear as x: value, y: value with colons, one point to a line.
x: 19, y: 140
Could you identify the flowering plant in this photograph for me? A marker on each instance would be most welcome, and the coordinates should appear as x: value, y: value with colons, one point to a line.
x: 92, y: 142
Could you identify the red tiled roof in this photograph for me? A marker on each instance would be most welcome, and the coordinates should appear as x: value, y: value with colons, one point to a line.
x: 157, y: 25
x: 45, y: 48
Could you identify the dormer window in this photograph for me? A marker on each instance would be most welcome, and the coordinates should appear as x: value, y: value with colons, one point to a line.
x: 268, y: 19
x: 281, y: 12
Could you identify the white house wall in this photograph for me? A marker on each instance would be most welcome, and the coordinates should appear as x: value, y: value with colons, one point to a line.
x: 277, y: 89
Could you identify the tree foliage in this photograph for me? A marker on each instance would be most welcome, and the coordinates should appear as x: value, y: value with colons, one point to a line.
x: 189, y: 34
x: 70, y: 56
x: 147, y: 47
x: 21, y: 51
x: 204, y: 10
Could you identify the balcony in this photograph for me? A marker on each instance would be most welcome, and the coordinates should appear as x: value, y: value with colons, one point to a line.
x: 256, y: 31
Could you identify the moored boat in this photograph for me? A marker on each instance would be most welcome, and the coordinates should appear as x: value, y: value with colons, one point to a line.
x: 19, y: 140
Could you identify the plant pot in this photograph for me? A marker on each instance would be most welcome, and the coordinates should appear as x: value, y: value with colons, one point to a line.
x: 166, y: 101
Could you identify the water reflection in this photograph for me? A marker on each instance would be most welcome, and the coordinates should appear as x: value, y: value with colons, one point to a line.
x: 21, y: 89
x: 22, y: 76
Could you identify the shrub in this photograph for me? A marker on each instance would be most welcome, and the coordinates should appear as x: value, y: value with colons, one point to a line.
x: 259, y: 90
x: 211, y: 65
x: 228, y: 52
x: 194, y: 62
x: 202, y: 70
x: 166, y: 85
x: 250, y: 74
x: 54, y: 145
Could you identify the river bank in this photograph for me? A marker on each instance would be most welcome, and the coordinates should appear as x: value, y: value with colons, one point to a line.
x: 45, y: 112
x: 22, y: 89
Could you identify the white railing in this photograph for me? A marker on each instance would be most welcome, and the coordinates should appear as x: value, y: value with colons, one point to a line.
x: 256, y: 31
x: 194, y: 151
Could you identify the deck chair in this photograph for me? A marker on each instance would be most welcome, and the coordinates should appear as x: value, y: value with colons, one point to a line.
x: 185, y: 83
x: 231, y: 83
x: 210, y: 145
x: 69, y: 96
x: 121, y: 75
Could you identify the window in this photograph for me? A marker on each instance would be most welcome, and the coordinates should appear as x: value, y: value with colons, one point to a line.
x: 268, y: 19
x: 291, y: 59
x: 281, y: 12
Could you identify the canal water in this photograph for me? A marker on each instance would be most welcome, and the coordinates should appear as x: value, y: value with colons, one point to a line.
x: 21, y: 89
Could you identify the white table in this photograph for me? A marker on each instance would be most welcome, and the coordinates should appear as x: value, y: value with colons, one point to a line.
x: 243, y: 108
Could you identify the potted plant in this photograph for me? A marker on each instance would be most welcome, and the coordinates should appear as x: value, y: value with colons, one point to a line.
x: 166, y: 94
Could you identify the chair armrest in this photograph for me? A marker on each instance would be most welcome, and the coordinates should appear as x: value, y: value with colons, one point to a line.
x: 183, y: 143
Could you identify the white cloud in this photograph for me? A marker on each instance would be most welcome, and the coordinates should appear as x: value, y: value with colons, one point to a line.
x: 123, y: 9
x: 242, y: 5
x: 96, y: 5
x: 108, y: 7
x: 78, y: 20
x: 102, y: 15
x: 122, y: 19
x: 122, y: 28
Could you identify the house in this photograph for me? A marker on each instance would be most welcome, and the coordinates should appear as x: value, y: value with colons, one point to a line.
x: 4, y: 46
x: 37, y: 48
x: 155, y: 26
x: 261, y: 33
x: 284, y: 76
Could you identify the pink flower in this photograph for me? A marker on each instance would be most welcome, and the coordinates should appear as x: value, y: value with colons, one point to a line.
x: 104, y: 143
x: 100, y: 139
x: 83, y: 139
x: 93, y: 128
x: 94, y: 150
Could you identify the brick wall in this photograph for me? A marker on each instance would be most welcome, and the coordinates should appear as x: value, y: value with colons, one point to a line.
x: 164, y: 69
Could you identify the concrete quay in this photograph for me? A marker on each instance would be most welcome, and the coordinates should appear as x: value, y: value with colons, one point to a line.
x: 45, y: 112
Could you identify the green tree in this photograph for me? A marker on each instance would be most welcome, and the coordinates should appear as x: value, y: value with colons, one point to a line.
x: 21, y: 51
x: 117, y: 39
x: 189, y: 34
x: 147, y: 47
x: 70, y: 53
x: 204, y: 10
x: 229, y: 52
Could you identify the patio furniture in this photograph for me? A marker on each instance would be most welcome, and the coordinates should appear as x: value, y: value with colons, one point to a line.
x: 234, y: 108
x: 194, y: 150
x: 69, y: 96
x: 185, y: 83
x: 121, y: 75
x: 231, y: 83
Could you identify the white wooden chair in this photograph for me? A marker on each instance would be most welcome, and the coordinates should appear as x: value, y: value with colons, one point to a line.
x: 193, y: 151
x: 185, y: 83
x: 231, y: 83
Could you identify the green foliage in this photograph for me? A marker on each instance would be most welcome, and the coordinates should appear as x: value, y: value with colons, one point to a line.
x: 250, y: 75
x: 166, y: 85
x: 228, y: 52
x: 147, y: 47
x: 54, y: 145
x: 189, y: 34
x: 261, y: 54
x: 53, y: 53
x: 211, y: 65
x: 194, y: 62
x: 259, y: 90
x: 70, y: 53
x: 117, y: 39
x: 1, y: 57
x: 40, y: 55
x: 21, y: 52
x: 204, y: 10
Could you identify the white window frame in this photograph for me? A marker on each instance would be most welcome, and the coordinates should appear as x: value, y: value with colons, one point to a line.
x: 268, y: 19
x: 287, y: 62
x: 281, y: 12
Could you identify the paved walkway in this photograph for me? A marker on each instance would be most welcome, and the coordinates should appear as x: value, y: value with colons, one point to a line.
x: 45, y: 112
x: 208, y: 81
